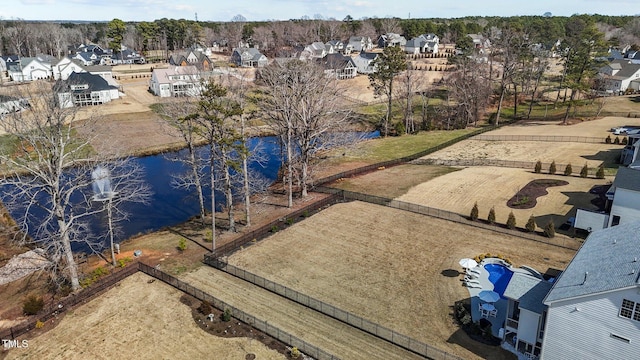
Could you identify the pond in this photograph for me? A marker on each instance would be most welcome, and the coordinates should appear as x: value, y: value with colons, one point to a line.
x: 168, y: 205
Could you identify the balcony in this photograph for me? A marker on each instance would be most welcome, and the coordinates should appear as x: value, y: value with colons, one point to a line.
x: 512, y: 325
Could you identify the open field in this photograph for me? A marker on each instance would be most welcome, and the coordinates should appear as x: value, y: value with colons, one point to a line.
x: 392, y: 267
x: 138, y: 319
x: 592, y: 128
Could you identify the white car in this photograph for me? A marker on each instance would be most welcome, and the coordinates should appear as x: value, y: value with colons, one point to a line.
x: 620, y: 130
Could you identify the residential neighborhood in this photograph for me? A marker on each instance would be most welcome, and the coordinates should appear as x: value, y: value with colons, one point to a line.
x: 315, y: 187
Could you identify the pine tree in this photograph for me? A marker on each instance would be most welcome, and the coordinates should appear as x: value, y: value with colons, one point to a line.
x: 538, y: 167
x: 492, y: 216
x: 552, y: 168
x: 585, y: 171
x: 600, y: 172
x: 511, y: 221
x: 568, y: 170
x: 550, y: 229
x: 531, y: 224
x: 474, y: 212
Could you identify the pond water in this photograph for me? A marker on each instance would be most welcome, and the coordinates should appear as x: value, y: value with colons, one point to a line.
x: 169, y: 206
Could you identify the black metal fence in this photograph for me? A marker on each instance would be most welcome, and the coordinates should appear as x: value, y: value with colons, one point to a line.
x: 344, y: 316
x: 530, y: 165
x: 249, y: 319
x: 450, y: 216
x: 544, y: 138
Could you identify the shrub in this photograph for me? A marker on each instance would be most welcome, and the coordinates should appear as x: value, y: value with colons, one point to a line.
x: 182, y: 244
x: 32, y: 305
x: 552, y: 167
x: 295, y: 353
x: 550, y: 229
x: 531, y: 224
x: 568, y: 170
x: 226, y: 315
x: 39, y: 324
x: 305, y: 214
x: 585, y: 171
x: 624, y: 141
x: 608, y: 139
x: 600, y: 172
x: 538, y: 167
x: 474, y: 212
x: 205, y: 308
x: 511, y: 222
x: 290, y: 221
x: 616, y: 140
x: 124, y: 261
x: 400, y: 129
x: 274, y: 229
x: 207, y: 236
x: 492, y: 216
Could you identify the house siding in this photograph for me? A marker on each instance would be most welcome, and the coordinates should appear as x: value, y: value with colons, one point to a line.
x: 528, y: 326
x: 585, y: 333
x: 625, y: 204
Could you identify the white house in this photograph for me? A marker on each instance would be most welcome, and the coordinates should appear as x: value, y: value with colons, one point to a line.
x: 248, y: 57
x: 358, y: 44
x: 316, y: 50
x: 63, y: 68
x: 9, y: 104
x: 32, y: 68
x: 338, y: 65
x: 334, y: 46
x: 625, y: 205
x: 620, y: 75
x: 175, y: 81
x: 7, y: 61
x: 391, y: 39
x: 594, y: 306
x: 364, y: 62
x: 84, y: 89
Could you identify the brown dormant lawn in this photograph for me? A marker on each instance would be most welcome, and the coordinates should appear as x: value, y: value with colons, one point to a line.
x: 137, y: 319
x: 392, y: 267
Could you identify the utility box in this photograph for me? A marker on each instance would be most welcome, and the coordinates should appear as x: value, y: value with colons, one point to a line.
x: 591, y: 220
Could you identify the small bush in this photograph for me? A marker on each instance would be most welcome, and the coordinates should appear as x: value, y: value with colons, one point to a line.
x: 32, y: 305
x: 531, y: 224
x: 511, y: 222
x: 492, y: 216
x: 474, y: 212
x: 124, y: 261
x: 550, y: 229
x: 600, y: 172
x: 205, y: 308
x: 608, y: 139
x: 290, y: 221
x: 295, y: 353
x: 182, y: 244
x: 568, y: 170
x: 39, y: 324
x: 226, y: 315
x: 538, y: 167
x: 624, y: 141
x: 552, y: 168
x: 274, y: 229
x: 305, y: 214
x: 400, y: 129
x: 208, y: 236
x: 585, y: 171
x: 616, y: 141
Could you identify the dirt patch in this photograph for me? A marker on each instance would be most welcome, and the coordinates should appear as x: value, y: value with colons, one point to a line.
x: 527, y: 197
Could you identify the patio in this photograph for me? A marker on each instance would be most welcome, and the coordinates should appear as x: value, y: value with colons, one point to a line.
x: 497, y: 321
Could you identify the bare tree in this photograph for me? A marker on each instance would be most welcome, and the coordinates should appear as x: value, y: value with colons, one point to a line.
x: 49, y: 180
x: 410, y: 83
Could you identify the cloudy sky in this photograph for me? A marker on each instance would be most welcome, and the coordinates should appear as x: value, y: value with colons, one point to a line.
x: 253, y: 10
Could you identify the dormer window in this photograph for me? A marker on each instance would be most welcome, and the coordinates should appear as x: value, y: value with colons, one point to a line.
x: 79, y: 87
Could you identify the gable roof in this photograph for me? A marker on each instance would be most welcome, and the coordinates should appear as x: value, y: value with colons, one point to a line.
x: 336, y: 61
x: 627, y: 68
x: 529, y: 291
x: 628, y: 179
x: 10, y: 58
x: 368, y: 55
x: 608, y: 260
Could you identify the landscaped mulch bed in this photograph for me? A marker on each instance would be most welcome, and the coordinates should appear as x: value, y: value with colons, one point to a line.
x: 526, y: 198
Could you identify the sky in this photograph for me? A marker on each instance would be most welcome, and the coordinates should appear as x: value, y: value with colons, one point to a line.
x: 257, y: 10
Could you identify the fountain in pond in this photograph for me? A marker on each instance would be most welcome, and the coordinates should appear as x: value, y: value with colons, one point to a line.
x: 101, y: 184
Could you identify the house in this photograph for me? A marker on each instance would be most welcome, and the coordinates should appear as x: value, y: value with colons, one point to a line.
x: 526, y: 314
x: 87, y: 58
x: 124, y: 56
x: 358, y: 44
x: 248, y: 57
x: 316, y: 50
x: 32, y: 68
x: 10, y: 104
x: 341, y: 66
x: 7, y: 61
x: 84, y: 89
x: 196, y: 58
x: 334, y: 46
x: 479, y: 41
x: 65, y: 67
x: 104, y: 72
x: 625, y: 205
x: 413, y: 46
x: 620, y: 75
x: 364, y: 62
x: 175, y: 81
x: 391, y: 39
x: 593, y: 308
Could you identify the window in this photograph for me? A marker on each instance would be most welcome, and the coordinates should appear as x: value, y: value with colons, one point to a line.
x: 615, y: 220
x: 630, y: 310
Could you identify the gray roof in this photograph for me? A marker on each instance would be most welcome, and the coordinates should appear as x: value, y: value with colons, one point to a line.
x: 609, y: 260
x: 95, y: 82
x: 627, y: 68
x: 529, y: 291
x: 368, y: 55
x: 627, y: 178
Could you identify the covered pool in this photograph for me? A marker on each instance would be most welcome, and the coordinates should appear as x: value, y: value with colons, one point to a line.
x: 499, y: 275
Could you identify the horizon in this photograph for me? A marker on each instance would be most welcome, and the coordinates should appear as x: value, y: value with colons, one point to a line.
x: 283, y: 10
